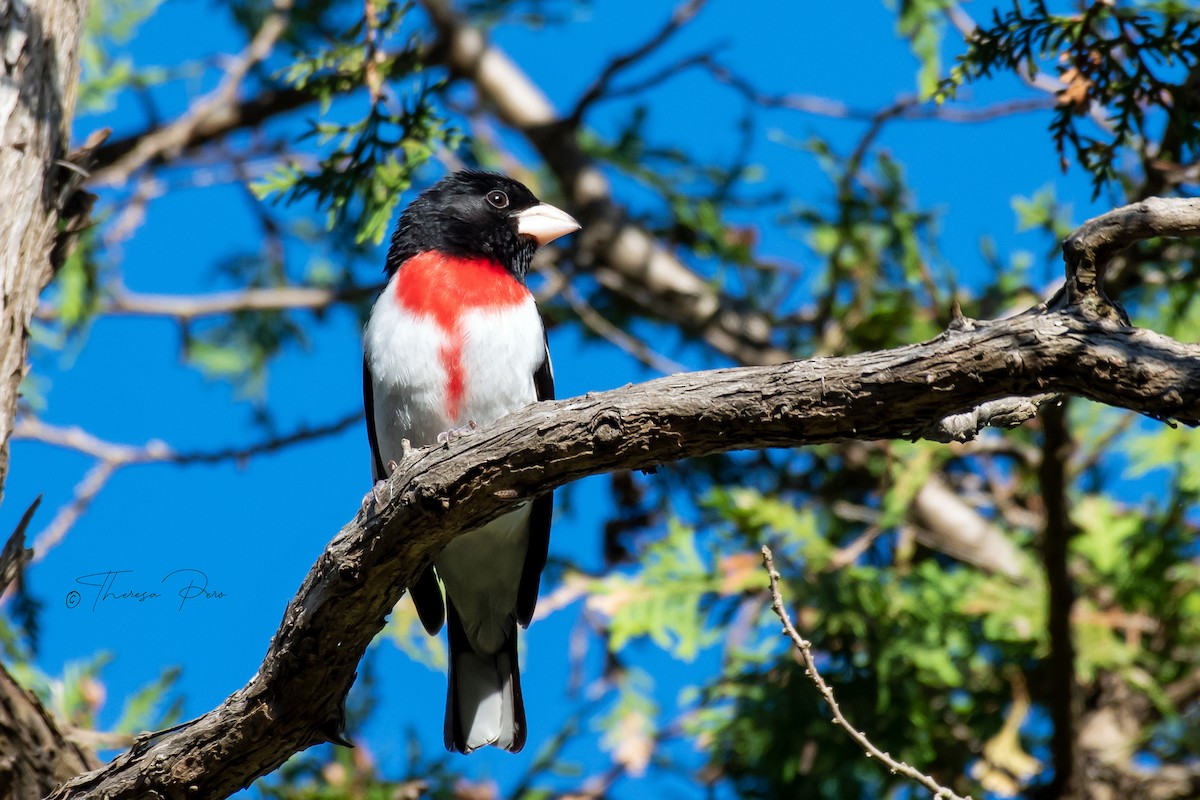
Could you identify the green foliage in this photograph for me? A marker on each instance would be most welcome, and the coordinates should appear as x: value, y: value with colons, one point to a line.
x: 111, y: 24
x: 877, y: 286
x: 405, y: 631
x: 664, y: 601
x: 241, y: 349
x: 143, y: 709
x: 338, y: 773
x: 368, y: 163
x: 77, y: 290
x: 1044, y: 212
x: 80, y: 694
x: 1125, y: 59
x: 921, y: 22
x: 910, y: 654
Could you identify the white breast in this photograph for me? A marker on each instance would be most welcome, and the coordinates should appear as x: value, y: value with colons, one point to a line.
x: 499, y: 352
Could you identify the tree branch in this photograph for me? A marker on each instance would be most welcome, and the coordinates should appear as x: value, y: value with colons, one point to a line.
x: 1063, y: 693
x: 116, y: 159
x: 36, y: 756
x: 681, y: 16
x: 15, y: 555
x: 804, y: 648
x: 1088, y: 250
x: 435, y: 493
x: 39, y: 46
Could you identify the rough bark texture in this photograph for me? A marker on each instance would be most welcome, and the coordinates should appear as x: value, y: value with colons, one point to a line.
x: 296, y: 698
x: 39, y: 46
x: 40, y: 758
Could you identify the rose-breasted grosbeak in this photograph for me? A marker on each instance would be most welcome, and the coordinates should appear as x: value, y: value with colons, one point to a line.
x: 455, y: 339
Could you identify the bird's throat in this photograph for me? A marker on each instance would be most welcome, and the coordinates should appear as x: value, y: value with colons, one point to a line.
x: 442, y: 288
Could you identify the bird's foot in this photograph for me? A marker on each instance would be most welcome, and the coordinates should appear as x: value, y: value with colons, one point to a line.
x: 377, y: 497
x: 446, y: 437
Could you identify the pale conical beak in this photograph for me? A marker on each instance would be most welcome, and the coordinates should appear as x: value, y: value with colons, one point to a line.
x: 545, y: 223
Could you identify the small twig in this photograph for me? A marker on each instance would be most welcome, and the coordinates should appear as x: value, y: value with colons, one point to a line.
x: 804, y: 647
x: 85, y: 492
x: 302, y: 434
x: 681, y: 16
x: 1007, y: 412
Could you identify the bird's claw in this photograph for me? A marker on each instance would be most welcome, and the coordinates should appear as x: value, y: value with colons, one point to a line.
x: 374, y: 499
x: 446, y: 437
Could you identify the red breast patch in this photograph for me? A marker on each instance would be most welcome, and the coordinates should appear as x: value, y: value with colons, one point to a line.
x: 436, y: 285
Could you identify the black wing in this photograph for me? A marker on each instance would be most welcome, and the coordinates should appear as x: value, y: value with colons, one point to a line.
x: 539, y: 516
x: 425, y: 593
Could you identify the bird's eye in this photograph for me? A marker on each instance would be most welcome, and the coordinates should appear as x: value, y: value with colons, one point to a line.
x: 497, y: 198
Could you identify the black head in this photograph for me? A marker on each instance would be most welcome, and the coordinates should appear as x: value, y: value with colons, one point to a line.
x: 478, y: 215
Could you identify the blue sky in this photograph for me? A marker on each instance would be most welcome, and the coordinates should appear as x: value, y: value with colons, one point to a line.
x: 256, y: 529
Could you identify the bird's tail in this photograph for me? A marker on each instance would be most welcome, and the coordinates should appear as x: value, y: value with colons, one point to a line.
x: 483, y: 702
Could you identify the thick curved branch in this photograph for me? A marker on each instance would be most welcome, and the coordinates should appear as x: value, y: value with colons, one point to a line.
x: 437, y: 492
x: 39, y: 62
x: 1088, y: 250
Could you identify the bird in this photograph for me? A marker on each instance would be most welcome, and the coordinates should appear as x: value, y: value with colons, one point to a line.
x: 455, y: 341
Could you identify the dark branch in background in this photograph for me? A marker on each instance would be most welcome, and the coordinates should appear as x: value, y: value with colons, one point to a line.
x: 116, y: 160
x: 436, y: 493
x: 804, y: 648
x: 681, y: 16
x: 1063, y: 692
